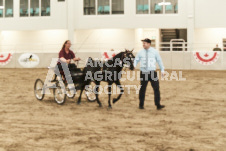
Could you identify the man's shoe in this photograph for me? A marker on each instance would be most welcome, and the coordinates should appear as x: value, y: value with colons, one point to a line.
x: 159, y: 107
x: 141, y: 107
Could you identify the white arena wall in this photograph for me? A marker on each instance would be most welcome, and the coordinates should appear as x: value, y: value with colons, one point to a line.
x: 91, y: 42
x: 171, y: 60
x: 104, y: 39
x: 32, y: 41
x: 210, y: 14
x: 100, y: 39
x: 207, y: 38
x: 84, y: 39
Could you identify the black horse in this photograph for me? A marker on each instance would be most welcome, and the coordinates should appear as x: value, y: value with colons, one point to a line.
x: 109, y: 71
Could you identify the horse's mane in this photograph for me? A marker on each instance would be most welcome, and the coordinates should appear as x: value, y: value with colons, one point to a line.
x: 112, y: 60
x: 119, y: 55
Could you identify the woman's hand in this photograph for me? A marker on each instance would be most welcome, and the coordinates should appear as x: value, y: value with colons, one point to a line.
x: 77, y: 59
x: 68, y: 61
x: 63, y: 60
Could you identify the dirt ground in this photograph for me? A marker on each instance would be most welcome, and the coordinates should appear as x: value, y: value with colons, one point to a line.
x: 194, y: 117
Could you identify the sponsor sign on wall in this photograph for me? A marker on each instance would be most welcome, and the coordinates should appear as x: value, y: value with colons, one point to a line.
x: 28, y: 60
x: 108, y: 55
x: 206, y: 58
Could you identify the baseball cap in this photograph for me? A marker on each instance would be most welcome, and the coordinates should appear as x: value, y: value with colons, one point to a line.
x: 146, y: 40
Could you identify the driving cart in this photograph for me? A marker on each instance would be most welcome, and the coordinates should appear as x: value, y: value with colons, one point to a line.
x: 61, y: 89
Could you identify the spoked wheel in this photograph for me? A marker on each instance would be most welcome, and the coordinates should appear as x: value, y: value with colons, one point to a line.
x: 39, y: 89
x: 70, y: 92
x: 90, y: 93
x: 60, y: 93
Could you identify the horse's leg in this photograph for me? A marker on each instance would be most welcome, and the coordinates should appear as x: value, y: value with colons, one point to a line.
x: 121, y: 91
x: 80, y: 96
x: 109, y: 95
x: 97, y: 91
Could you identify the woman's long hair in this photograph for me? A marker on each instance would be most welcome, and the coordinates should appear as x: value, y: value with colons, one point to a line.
x: 63, y: 47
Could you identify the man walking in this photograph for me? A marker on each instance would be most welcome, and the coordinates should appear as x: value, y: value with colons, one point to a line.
x: 148, y: 58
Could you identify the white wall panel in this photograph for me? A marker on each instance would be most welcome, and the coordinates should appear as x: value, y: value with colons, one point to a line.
x: 210, y: 14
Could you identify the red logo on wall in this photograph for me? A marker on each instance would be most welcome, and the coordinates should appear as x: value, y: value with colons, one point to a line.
x: 206, y: 58
x: 108, y: 55
x: 5, y: 58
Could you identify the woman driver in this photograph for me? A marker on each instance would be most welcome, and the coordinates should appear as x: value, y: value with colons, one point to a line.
x: 65, y: 57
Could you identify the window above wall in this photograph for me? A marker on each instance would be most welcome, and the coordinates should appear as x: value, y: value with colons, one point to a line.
x: 6, y: 8
x: 103, y: 7
x: 156, y: 6
x: 30, y: 8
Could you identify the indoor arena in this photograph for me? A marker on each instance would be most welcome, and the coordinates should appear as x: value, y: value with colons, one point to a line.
x: 112, y: 75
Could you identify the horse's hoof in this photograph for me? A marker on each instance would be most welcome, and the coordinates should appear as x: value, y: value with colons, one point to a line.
x: 79, y: 102
x: 115, y: 100
x: 109, y: 108
x: 100, y: 105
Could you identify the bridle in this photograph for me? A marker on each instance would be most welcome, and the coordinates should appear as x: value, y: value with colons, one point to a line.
x: 123, y: 57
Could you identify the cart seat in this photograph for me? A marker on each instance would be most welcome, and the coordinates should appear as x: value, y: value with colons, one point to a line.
x: 77, y: 73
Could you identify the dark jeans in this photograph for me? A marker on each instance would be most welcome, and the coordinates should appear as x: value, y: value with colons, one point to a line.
x: 145, y: 78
